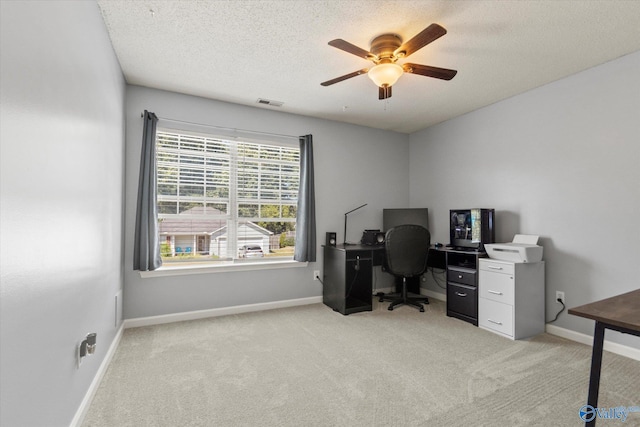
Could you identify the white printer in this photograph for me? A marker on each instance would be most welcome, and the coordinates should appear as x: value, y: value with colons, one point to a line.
x: 524, y: 248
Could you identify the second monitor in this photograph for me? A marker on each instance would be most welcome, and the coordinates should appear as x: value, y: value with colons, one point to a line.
x: 395, y: 217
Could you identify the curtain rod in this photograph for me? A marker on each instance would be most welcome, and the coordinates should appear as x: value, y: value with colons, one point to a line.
x: 226, y: 128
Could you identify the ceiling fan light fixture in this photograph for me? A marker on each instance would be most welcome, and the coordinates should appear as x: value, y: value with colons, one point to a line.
x: 385, y: 74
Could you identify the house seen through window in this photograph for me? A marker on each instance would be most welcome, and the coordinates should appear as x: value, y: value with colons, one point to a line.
x: 222, y: 200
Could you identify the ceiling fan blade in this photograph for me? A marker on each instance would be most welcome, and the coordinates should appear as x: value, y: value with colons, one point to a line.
x: 429, y: 71
x: 351, y: 48
x: 420, y: 40
x: 345, y: 77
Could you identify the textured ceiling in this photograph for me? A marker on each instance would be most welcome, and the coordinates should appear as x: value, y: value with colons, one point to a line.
x: 239, y: 51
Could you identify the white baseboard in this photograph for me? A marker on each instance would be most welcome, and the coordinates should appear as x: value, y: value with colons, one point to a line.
x: 622, y: 350
x: 214, y: 312
x: 93, y: 388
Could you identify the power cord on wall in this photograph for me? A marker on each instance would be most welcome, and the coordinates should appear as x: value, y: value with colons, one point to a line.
x: 435, y: 279
x: 561, y: 310
x: 356, y: 267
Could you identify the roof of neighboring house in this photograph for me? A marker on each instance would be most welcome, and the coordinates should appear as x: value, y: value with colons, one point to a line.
x: 222, y: 231
x: 193, y: 221
x: 193, y: 226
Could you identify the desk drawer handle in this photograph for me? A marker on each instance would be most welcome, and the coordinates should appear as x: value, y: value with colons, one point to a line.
x: 460, y: 276
x: 494, y: 292
x: 493, y: 321
x: 460, y: 294
x: 495, y: 268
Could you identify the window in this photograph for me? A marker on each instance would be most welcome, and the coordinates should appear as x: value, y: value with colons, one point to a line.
x: 224, y: 200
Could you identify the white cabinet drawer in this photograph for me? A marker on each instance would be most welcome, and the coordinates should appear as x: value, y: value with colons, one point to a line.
x: 496, y: 286
x: 497, y: 266
x: 495, y: 316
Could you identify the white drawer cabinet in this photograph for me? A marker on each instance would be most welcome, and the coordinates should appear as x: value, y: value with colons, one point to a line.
x: 511, y: 298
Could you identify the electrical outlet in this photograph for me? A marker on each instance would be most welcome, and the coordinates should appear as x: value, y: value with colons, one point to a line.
x: 560, y: 296
x: 316, y: 274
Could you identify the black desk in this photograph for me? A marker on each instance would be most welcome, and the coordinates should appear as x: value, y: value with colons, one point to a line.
x: 348, y: 275
x: 620, y: 313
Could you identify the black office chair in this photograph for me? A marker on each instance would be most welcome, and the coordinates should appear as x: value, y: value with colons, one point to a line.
x: 407, y: 249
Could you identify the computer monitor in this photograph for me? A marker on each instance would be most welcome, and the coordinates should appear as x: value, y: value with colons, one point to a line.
x: 394, y: 217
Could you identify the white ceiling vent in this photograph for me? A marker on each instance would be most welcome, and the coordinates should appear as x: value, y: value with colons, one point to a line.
x: 269, y: 102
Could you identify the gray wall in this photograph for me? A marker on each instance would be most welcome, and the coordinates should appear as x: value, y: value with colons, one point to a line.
x: 562, y: 162
x: 62, y: 146
x: 353, y: 165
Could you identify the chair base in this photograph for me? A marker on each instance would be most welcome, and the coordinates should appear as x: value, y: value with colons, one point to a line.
x: 403, y: 298
x: 410, y: 302
x: 397, y: 295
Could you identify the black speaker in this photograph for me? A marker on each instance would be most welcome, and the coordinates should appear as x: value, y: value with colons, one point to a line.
x: 331, y: 238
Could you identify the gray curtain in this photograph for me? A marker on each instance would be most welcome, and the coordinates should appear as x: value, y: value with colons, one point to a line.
x: 306, y: 219
x: 146, y: 250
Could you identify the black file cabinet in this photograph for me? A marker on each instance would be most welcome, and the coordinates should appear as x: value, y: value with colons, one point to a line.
x: 462, y: 285
x: 347, y: 277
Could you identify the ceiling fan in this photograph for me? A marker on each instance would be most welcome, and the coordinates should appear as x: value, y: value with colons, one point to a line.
x: 385, y: 50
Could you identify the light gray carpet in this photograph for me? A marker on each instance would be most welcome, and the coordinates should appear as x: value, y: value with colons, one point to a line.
x: 310, y: 366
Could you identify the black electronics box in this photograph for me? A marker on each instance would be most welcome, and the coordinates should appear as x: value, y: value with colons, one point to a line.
x: 372, y: 237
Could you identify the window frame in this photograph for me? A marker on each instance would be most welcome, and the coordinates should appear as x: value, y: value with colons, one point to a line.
x: 233, y: 201
x: 174, y: 270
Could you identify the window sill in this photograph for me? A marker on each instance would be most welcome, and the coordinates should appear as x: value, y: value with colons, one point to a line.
x: 223, y: 268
